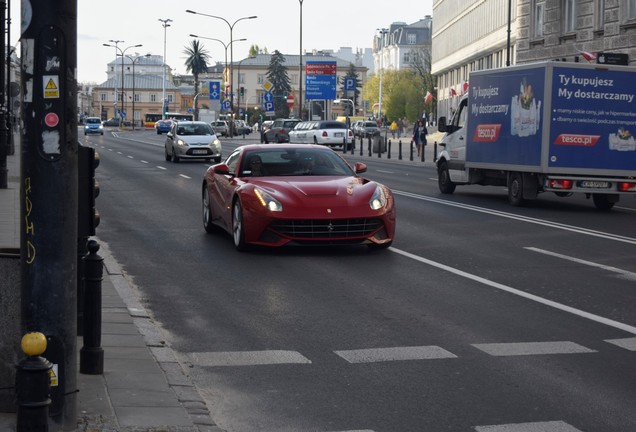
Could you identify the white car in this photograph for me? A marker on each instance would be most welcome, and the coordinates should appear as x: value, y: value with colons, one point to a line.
x: 325, y: 132
x: 192, y: 140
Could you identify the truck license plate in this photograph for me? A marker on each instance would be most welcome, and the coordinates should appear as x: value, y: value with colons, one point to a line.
x: 590, y: 184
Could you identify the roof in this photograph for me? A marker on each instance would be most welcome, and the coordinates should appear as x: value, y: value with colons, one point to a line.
x: 147, y: 82
x: 291, y: 60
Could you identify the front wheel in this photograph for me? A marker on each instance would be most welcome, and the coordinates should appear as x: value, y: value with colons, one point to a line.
x: 515, y: 189
x: 175, y: 158
x: 446, y: 186
x: 207, y: 212
x: 237, y: 227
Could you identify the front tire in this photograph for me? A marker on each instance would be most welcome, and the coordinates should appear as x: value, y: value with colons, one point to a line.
x: 168, y: 157
x: 175, y: 158
x: 446, y: 186
x: 237, y: 227
x: 515, y: 189
x: 207, y: 212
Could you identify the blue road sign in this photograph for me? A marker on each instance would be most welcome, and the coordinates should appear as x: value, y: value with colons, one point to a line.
x: 226, y: 105
x: 215, y: 90
x: 349, y: 84
x: 268, y: 97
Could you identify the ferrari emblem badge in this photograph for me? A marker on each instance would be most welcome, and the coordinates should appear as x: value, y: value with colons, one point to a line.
x: 329, y: 211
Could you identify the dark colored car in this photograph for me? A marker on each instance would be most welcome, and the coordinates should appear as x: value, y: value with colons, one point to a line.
x: 365, y: 128
x: 279, y: 130
x: 296, y: 194
x: 163, y: 126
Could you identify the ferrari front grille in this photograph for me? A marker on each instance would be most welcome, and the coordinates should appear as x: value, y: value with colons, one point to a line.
x: 326, y: 228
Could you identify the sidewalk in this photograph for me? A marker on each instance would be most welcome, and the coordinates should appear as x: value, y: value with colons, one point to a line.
x: 143, y: 387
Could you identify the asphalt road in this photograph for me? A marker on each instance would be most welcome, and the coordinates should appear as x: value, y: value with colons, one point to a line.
x: 480, y: 317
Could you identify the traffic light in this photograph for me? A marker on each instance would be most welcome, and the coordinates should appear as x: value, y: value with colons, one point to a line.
x: 88, y: 216
x: 242, y: 91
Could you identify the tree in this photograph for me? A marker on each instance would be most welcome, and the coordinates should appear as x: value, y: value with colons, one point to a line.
x: 421, y: 64
x: 196, y: 63
x: 281, y: 84
x: 351, y: 73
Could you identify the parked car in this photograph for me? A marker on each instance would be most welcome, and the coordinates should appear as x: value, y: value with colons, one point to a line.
x: 279, y: 130
x: 276, y: 195
x: 163, y: 126
x: 93, y: 125
x: 221, y: 127
x: 192, y: 140
x: 326, y: 132
x: 114, y: 121
x: 241, y: 128
x: 365, y: 128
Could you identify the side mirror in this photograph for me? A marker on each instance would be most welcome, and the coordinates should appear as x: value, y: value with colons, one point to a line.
x: 441, y: 124
x: 360, y: 168
x: 221, y: 169
x: 169, y: 134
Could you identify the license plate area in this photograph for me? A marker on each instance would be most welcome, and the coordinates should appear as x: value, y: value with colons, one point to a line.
x: 594, y: 184
x: 198, y: 152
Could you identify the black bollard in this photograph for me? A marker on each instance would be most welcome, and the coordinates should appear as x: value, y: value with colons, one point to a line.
x: 361, y: 145
x: 369, y: 139
x: 33, y: 386
x: 400, y: 150
x: 380, y: 142
x: 388, y: 154
x: 92, y: 354
x: 435, y: 152
x: 411, y: 151
x: 353, y: 144
x: 423, y: 152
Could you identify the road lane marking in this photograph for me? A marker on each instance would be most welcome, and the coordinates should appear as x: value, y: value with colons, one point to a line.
x: 549, y: 224
x: 374, y: 355
x: 628, y: 275
x: 185, y: 176
x: 627, y: 343
x: 520, y: 293
x: 532, y: 348
x: 130, y: 157
x: 247, y: 358
x: 161, y: 168
x: 143, y: 161
x: 551, y: 426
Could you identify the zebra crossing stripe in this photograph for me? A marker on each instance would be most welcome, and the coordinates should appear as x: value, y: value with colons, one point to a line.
x: 395, y: 354
x: 532, y: 348
x: 552, y: 426
x: 247, y: 358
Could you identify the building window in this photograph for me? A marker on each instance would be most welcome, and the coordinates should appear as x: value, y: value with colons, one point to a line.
x: 153, y: 98
x: 293, y: 79
x: 411, y: 38
x: 261, y: 78
x: 569, y: 16
x: 406, y: 58
x: 137, y: 97
x: 631, y: 9
x: 600, y: 15
x: 539, y: 15
x: 169, y: 97
x: 103, y: 97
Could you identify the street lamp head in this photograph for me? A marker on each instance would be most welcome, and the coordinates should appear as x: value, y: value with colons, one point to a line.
x: 190, y: 11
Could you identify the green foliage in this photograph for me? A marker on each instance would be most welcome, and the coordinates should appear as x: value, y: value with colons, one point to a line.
x: 196, y: 63
x: 281, y: 84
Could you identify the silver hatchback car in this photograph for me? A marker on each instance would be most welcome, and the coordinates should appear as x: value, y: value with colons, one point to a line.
x: 192, y: 140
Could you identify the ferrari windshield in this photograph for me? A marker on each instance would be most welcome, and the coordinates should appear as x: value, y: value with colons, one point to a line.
x: 293, y: 162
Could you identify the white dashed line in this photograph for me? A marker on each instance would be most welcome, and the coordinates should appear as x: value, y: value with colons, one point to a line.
x: 552, y: 426
x: 627, y: 274
x: 143, y: 161
x: 185, y: 176
x: 532, y: 348
x: 627, y: 343
x: 161, y: 168
x: 130, y: 157
x: 395, y: 354
x: 247, y: 358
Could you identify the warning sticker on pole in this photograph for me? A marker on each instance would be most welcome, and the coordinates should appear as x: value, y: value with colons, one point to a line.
x: 51, y: 86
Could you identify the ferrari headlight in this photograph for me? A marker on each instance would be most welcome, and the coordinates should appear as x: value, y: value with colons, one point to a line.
x: 267, y: 200
x: 378, y: 200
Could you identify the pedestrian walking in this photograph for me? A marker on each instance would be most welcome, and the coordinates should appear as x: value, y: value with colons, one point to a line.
x: 423, y: 134
x: 393, y: 128
x: 416, y: 137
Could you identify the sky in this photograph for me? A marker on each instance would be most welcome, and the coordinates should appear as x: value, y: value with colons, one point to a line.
x: 327, y: 24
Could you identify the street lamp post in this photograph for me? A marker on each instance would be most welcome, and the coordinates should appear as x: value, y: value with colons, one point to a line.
x: 225, y: 46
x: 300, y: 66
x: 238, y: 99
x: 383, y: 31
x: 122, y: 53
x: 116, y: 42
x: 165, y: 24
x: 231, y: 26
x: 134, y: 60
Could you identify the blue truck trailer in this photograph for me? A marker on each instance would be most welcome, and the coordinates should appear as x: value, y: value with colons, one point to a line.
x: 544, y: 127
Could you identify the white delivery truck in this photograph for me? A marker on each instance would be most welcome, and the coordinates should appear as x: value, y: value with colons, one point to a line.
x: 544, y: 127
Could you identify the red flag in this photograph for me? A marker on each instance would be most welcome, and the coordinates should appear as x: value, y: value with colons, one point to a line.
x: 589, y: 56
x: 465, y: 87
x: 453, y: 92
x: 428, y: 98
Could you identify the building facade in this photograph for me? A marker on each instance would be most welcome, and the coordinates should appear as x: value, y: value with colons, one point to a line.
x: 396, y: 47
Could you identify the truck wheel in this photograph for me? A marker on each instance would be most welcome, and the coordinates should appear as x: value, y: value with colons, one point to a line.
x: 515, y: 189
x: 602, y: 202
x: 446, y: 186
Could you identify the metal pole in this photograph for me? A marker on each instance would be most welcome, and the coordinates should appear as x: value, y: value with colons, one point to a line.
x: 4, y: 132
x: 508, y: 40
x: 300, y: 66
x: 163, y: 85
x: 49, y: 193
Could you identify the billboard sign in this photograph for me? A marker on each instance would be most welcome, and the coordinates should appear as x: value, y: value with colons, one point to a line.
x: 320, y: 80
